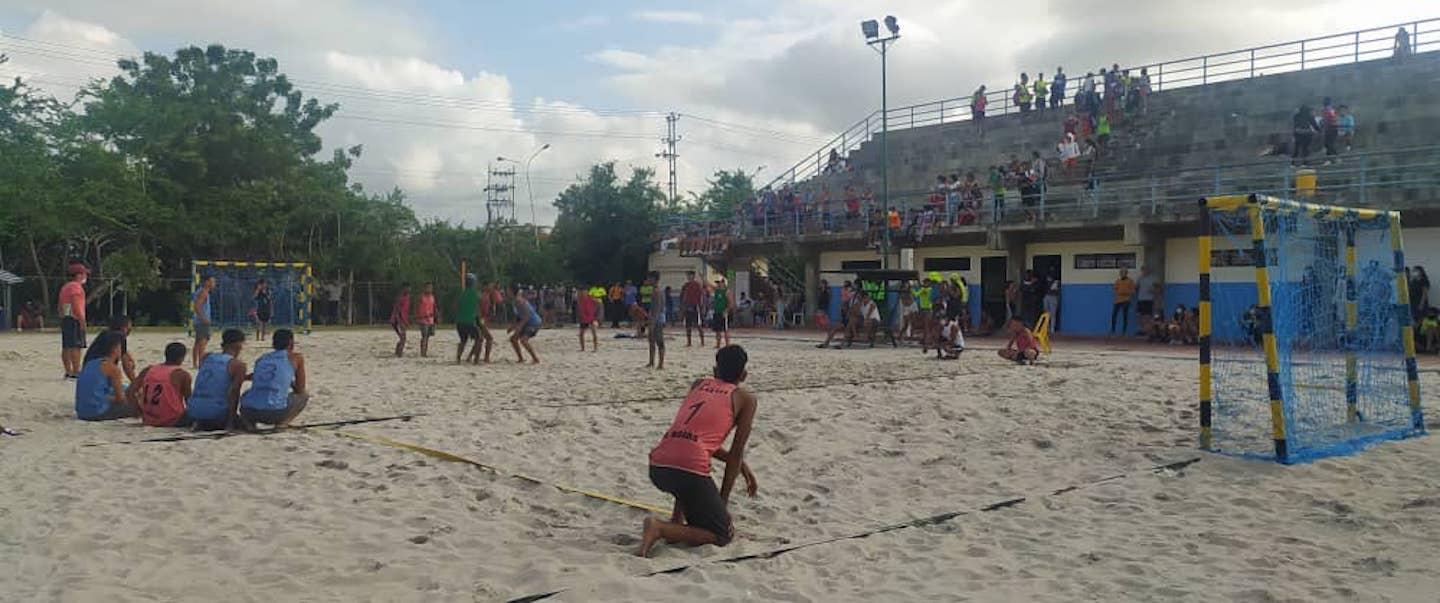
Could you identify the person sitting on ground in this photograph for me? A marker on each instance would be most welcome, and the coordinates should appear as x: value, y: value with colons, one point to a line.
x: 1190, y: 327
x: 1158, y: 331
x: 216, y: 396
x: 865, y: 320
x: 162, y: 390
x: 121, y: 325
x: 909, y: 312
x: 1022, y: 347
x: 1175, y: 327
x: 277, y: 391
x: 99, y: 393
x: 847, y: 311
x: 680, y: 463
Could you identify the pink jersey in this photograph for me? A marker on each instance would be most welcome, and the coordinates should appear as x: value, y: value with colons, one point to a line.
x: 587, y: 308
x: 73, y: 294
x: 401, y: 311
x: 425, y: 313
x: 700, y: 427
x: 160, y: 401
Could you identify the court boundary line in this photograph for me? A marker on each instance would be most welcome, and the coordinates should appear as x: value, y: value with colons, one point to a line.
x: 913, y: 523
x: 218, y: 435
x: 455, y: 458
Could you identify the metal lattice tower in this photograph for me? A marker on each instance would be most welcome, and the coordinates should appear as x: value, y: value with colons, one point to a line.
x: 669, y: 154
x: 500, y: 195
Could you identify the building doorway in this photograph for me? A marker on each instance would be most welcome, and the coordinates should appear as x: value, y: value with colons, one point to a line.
x: 992, y: 288
x: 1048, y: 268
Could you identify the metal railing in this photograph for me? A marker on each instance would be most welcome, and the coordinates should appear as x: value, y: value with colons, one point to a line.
x: 1357, y: 178
x: 1350, y: 47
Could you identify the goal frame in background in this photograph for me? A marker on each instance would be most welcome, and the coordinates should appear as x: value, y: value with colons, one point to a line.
x: 1253, y: 206
x: 306, y: 292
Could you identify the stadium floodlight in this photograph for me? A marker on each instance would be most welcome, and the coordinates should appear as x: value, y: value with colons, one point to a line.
x: 870, y: 28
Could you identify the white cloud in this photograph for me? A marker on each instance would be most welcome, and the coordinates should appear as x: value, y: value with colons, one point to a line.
x: 669, y: 16
x: 584, y: 23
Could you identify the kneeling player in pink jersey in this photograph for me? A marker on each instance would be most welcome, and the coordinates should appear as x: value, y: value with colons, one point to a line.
x: 680, y: 463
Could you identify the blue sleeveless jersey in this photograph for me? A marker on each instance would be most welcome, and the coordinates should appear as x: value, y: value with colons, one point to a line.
x: 270, y: 385
x: 93, y: 392
x: 205, y: 307
x: 209, y: 400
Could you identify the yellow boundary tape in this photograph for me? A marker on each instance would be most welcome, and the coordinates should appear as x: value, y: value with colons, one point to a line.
x: 455, y: 458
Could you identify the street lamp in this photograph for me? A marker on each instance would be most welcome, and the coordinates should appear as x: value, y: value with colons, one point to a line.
x: 530, y: 191
x: 871, y: 30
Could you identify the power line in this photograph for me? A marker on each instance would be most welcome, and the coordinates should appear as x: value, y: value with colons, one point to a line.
x: 742, y: 128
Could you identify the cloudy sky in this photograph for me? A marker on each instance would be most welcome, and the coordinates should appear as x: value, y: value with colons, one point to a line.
x: 437, y: 89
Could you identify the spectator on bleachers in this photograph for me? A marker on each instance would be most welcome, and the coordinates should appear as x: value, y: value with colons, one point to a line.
x: 1347, y: 127
x: 1402, y: 44
x: 852, y: 206
x: 1057, y: 88
x: 1022, y: 94
x: 969, y: 201
x: 1102, y: 131
x: 1330, y: 126
x: 1071, y: 126
x: 1144, y: 91
x: 1041, y: 91
x: 833, y: 164
x: 1069, y: 152
x: 977, y: 109
x: 1303, y: 128
x: 952, y: 198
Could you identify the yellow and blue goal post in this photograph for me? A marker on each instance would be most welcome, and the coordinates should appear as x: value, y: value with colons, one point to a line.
x: 234, y: 303
x: 1307, y: 343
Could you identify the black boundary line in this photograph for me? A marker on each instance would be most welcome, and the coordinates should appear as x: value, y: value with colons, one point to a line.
x: 914, y: 523
x: 263, y: 432
x: 758, y: 391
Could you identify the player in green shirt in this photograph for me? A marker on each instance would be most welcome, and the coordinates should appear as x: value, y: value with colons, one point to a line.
x: 466, y: 317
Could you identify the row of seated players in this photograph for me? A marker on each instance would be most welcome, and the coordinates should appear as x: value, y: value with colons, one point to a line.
x: 164, y: 395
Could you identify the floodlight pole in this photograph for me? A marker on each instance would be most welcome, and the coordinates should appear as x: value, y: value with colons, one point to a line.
x: 881, y: 45
x: 531, y: 192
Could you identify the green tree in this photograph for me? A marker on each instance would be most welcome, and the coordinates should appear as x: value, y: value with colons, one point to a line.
x: 727, y: 189
x: 605, y: 227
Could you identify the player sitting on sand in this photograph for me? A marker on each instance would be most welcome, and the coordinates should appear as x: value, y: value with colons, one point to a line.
x: 98, y: 389
x: 426, y: 316
x: 400, y: 318
x: 277, y: 388
x: 162, y: 389
x: 217, y: 386
x: 527, y: 325
x: 868, y: 315
x: 656, y: 316
x: 587, y: 313
x: 680, y: 463
x: 1022, y: 348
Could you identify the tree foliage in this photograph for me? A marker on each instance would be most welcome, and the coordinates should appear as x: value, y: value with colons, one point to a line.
x: 214, y: 153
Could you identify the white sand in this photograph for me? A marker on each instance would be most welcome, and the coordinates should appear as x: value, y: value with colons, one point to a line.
x: 314, y: 517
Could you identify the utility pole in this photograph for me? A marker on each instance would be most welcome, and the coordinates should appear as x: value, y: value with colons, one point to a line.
x: 669, y: 154
x: 871, y: 31
x: 499, y: 200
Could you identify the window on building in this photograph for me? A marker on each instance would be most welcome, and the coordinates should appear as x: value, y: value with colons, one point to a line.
x: 947, y: 264
x: 853, y: 265
x: 1236, y: 258
x: 1104, y: 261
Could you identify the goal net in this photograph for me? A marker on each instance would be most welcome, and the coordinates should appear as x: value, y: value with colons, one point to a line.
x: 233, y: 302
x: 1307, y: 348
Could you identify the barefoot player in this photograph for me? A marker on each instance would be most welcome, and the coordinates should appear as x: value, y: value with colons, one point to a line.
x: 400, y: 318
x: 587, y: 313
x: 527, y: 325
x: 680, y: 463
x: 426, y: 316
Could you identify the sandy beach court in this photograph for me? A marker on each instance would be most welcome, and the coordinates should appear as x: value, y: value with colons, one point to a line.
x: 845, y: 442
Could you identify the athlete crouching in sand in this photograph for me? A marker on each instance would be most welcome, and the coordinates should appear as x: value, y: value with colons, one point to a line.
x: 680, y: 463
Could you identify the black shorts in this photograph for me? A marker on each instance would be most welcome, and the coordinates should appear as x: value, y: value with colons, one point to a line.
x: 1145, y: 307
x: 262, y: 315
x: 272, y: 416
x: 720, y: 323
x: 529, y: 330
x: 692, y: 318
x: 657, y: 334
x: 72, y: 337
x: 699, y: 500
x: 467, y: 331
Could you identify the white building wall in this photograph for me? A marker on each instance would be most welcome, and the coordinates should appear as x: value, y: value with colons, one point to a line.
x: 1067, y: 251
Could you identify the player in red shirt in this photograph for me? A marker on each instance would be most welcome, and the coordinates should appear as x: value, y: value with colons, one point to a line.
x: 72, y: 319
x: 680, y: 463
x: 161, y: 390
x: 692, y: 294
x: 426, y: 315
x: 587, y: 313
x: 1022, y: 348
x: 400, y: 318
